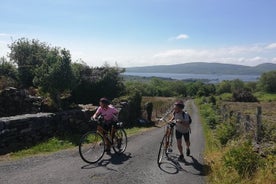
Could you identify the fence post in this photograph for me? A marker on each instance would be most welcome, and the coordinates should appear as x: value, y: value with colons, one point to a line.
x: 247, y: 123
x: 259, y: 123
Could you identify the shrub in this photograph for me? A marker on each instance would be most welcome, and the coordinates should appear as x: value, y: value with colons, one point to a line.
x: 225, y: 132
x: 212, y: 121
x: 244, y: 96
x: 243, y: 159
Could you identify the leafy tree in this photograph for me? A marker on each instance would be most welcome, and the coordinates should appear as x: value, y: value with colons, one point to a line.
x: 55, y: 75
x: 267, y: 82
x: 28, y: 55
x: 237, y: 85
x: 8, y: 74
x: 251, y: 86
x: 224, y: 87
x: 7, y: 69
x: 94, y: 83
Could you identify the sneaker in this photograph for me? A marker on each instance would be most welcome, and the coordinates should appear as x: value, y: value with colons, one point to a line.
x: 181, y: 157
x: 188, y: 152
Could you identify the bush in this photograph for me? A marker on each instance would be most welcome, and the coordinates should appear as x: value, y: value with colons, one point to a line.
x: 244, y: 96
x: 243, y: 159
x: 225, y: 132
x: 212, y: 121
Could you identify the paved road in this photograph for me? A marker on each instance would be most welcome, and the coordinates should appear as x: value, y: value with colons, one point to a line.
x: 137, y: 165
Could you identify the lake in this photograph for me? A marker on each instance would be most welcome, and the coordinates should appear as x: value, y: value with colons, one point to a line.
x: 213, y: 78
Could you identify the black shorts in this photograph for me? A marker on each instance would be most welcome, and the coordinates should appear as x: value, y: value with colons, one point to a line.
x: 179, y: 135
x: 107, y: 125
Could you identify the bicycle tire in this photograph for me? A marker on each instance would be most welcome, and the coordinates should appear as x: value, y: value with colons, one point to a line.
x: 162, y: 150
x: 120, y: 141
x: 91, y: 147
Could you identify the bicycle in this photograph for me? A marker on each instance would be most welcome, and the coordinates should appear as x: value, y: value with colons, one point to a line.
x: 93, y: 143
x: 167, y: 142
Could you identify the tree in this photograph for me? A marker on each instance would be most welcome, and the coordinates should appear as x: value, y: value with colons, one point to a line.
x: 267, y: 82
x: 7, y: 69
x: 8, y: 74
x: 28, y: 55
x: 224, y: 87
x: 237, y: 85
x: 55, y: 76
x: 94, y: 83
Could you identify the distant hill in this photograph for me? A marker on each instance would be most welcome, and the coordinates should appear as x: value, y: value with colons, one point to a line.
x: 205, y: 68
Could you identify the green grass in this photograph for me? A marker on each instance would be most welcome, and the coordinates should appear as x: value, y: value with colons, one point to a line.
x: 52, y: 145
x: 265, y: 97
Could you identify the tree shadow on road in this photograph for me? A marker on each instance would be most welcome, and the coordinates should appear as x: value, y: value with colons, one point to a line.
x: 115, y: 159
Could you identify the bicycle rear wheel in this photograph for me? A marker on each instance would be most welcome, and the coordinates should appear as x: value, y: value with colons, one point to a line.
x: 91, y: 147
x: 120, y: 141
x: 162, y: 150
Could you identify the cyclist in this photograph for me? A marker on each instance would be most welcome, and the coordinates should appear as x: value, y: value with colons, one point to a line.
x: 182, y: 127
x: 109, y: 114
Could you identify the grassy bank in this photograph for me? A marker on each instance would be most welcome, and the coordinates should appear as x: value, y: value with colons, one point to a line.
x: 231, y: 153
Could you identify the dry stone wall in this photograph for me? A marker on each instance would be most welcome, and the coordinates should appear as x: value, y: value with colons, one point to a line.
x: 17, y: 132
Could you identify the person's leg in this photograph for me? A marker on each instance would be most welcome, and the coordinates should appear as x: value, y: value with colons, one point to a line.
x: 106, y: 128
x: 187, y: 141
x: 178, y: 136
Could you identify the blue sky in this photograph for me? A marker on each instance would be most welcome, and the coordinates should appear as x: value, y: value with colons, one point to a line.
x: 146, y: 32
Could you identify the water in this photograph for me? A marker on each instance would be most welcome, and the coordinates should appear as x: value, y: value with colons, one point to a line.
x: 214, y: 78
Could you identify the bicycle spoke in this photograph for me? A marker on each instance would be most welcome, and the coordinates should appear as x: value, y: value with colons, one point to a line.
x: 120, y: 141
x: 91, y: 147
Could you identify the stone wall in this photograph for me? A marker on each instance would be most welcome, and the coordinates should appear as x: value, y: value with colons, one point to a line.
x: 21, y: 131
x: 15, y: 102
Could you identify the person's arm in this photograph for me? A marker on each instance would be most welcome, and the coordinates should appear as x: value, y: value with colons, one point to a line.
x: 172, y: 118
x: 97, y: 113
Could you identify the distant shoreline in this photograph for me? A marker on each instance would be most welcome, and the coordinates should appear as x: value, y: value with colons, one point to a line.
x: 212, y: 78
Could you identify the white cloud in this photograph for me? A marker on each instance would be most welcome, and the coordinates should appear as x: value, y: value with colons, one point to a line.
x: 180, y: 37
x: 4, y: 35
x: 271, y: 46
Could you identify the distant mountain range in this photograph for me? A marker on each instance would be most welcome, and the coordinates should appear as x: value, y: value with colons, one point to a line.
x: 205, y: 68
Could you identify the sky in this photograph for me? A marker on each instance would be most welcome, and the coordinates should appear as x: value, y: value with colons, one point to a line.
x: 132, y: 33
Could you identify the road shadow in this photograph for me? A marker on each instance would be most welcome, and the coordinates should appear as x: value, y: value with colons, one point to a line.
x: 173, y: 166
x: 203, y: 169
x: 115, y: 159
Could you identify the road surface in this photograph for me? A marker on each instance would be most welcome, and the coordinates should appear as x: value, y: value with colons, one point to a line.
x: 136, y: 166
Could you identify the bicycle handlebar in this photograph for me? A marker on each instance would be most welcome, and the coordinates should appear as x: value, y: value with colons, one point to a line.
x: 172, y: 123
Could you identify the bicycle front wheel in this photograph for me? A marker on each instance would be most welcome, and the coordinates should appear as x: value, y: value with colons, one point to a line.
x: 91, y: 147
x: 162, y: 150
x: 120, y: 141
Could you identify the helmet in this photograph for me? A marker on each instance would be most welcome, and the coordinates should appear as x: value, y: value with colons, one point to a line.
x: 104, y: 100
x: 180, y: 104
